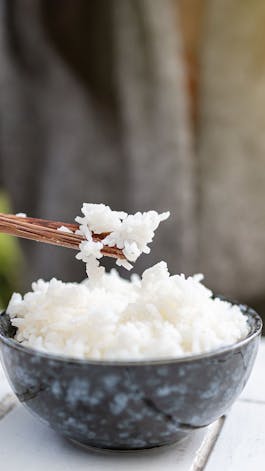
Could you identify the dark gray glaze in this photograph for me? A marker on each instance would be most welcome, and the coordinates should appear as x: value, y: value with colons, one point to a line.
x: 128, y: 405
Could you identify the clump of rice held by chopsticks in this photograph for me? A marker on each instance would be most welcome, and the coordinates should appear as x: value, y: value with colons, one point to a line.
x: 129, y: 232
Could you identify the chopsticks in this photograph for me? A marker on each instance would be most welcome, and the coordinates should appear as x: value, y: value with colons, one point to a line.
x: 43, y: 230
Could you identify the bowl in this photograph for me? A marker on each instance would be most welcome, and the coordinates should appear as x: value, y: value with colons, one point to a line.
x: 118, y: 405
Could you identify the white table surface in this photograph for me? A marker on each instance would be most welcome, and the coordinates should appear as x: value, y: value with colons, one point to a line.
x: 233, y: 443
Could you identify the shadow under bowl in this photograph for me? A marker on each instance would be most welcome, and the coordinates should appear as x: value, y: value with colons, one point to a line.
x: 118, y: 405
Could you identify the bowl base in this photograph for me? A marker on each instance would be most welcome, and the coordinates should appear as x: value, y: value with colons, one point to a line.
x: 106, y: 450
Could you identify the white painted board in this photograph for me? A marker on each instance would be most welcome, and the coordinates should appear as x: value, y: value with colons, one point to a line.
x: 241, y: 445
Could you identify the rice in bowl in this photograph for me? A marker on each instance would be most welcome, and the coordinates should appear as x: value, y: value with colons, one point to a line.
x: 153, y: 317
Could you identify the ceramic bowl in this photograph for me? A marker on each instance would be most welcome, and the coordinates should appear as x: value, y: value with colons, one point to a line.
x: 118, y: 405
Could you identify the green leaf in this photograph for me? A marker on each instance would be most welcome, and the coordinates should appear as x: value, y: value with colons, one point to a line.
x: 11, y: 259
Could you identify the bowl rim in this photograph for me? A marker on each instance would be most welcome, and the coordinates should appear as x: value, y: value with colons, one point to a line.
x: 254, y: 332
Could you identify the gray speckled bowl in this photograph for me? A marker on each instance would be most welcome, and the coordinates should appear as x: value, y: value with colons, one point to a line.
x: 128, y: 405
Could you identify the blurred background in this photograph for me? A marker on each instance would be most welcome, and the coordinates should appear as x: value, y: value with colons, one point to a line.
x: 139, y: 104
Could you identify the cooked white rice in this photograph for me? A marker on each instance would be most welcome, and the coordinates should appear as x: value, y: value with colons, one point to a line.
x: 64, y: 229
x: 130, y: 232
x: 158, y: 316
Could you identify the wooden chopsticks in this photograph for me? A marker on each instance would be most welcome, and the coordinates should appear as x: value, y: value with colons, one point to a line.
x: 43, y: 230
